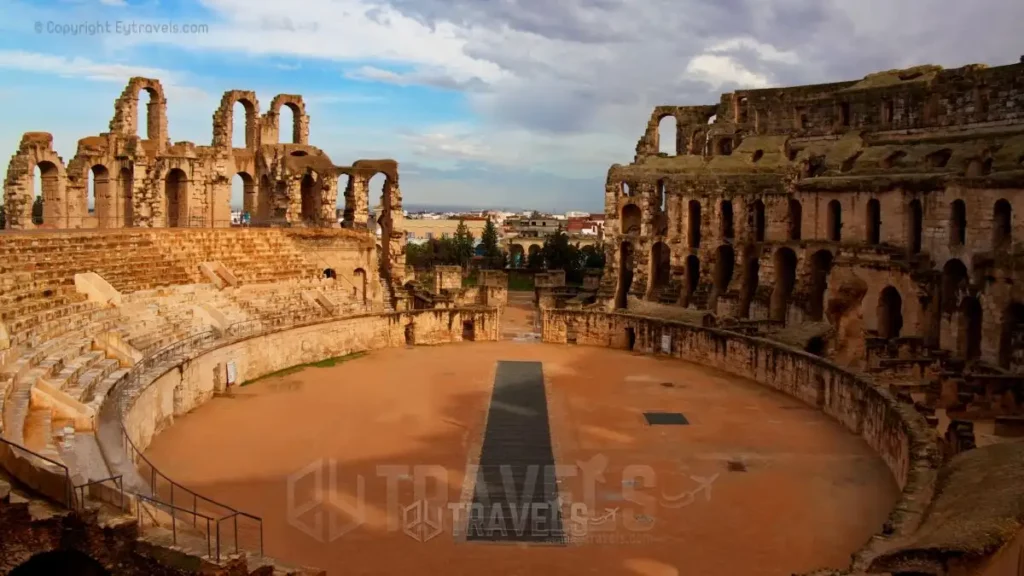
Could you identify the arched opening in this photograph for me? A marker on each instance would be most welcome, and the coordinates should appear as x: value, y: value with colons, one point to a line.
x: 725, y: 262
x: 759, y: 224
x: 330, y: 273
x: 1011, y: 338
x: 279, y: 201
x: 410, y: 335
x: 890, y: 313
x: 243, y: 133
x: 723, y: 146
x: 692, y: 278
x: 1002, y: 224
x: 751, y: 269
x: 626, y: 190
x: 468, y: 330
x: 698, y: 140
x: 288, y: 126
x: 728, y: 231
x: 535, y: 259
x: 630, y: 338
x: 311, y: 201
x: 176, y: 198
x: 661, y: 216
x: 662, y: 196
x: 243, y: 194
x: 816, y: 346
x: 915, y: 225
x: 939, y: 158
x: 126, y: 183
x: 359, y: 279
x: 970, y: 328
x: 758, y: 154
x: 977, y: 168
x: 60, y: 562
x: 516, y: 256
x: 46, y: 194
x: 147, y: 116
x: 893, y: 160
x: 821, y: 266
x: 785, y: 281
x: 844, y: 113
x: 740, y: 110
x: 630, y: 219
x: 874, y: 221
x: 660, y: 265
x: 835, y: 221
x: 957, y: 223
x: 954, y: 283
x: 264, y: 200
x: 796, y: 219
x: 693, y: 227
x: 625, y: 274
x: 100, y: 202
x: 667, y: 135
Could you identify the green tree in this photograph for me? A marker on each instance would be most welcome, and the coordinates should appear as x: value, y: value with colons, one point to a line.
x: 462, y: 244
x: 535, y: 260
x: 493, y: 258
x: 559, y: 253
x: 593, y: 256
x: 37, y: 210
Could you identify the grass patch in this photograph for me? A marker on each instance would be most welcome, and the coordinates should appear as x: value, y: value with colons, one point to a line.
x: 520, y: 282
x: 326, y: 363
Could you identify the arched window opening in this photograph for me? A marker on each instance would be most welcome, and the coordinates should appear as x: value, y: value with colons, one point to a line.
x: 46, y: 193
x: 796, y: 219
x: 630, y: 219
x: 957, y: 223
x: 890, y: 313
x: 874, y: 221
x: 821, y: 266
x: 954, y: 283
x: 1002, y: 224
x: 146, y: 114
x: 725, y: 262
x: 625, y: 274
x: 243, y: 127
x: 728, y: 230
x: 844, y: 113
x: 288, y: 124
x: 741, y: 112
x: 661, y: 264
x: 692, y: 277
x: 693, y: 229
x: 970, y: 328
x: 311, y: 198
x: 835, y: 221
x: 360, y: 288
x: 785, y: 281
x: 667, y: 136
x: 1011, y: 337
x: 939, y: 158
x: 978, y: 168
x: 243, y: 194
x: 759, y: 221
x: 915, y: 225
x: 329, y: 273
x: 126, y: 185
x: 176, y: 198
x: 758, y: 154
x: 751, y: 269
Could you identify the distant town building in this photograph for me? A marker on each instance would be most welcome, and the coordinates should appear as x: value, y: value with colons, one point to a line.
x: 420, y: 230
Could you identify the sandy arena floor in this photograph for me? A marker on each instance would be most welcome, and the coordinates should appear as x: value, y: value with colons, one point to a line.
x: 785, y: 489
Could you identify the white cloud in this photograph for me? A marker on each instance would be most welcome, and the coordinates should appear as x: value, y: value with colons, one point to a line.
x: 75, y: 67
x: 719, y: 70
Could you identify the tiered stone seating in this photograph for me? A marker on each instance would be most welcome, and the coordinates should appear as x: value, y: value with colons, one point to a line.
x: 252, y: 255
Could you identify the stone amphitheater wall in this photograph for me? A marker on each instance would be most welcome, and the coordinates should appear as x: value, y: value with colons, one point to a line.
x: 186, y: 386
x: 895, y: 431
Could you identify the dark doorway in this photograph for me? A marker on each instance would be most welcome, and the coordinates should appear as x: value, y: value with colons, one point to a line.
x: 785, y: 281
x: 728, y: 231
x: 796, y: 217
x: 1012, y: 337
x: 915, y: 225
x: 759, y: 223
x: 890, y: 313
x: 816, y: 346
x: 821, y: 266
x: 630, y: 338
x: 970, y: 328
x: 874, y: 221
x: 468, y: 330
x: 60, y: 563
x: 661, y: 264
x: 693, y: 230
x: 329, y: 273
x: 751, y: 269
x: 957, y: 223
x: 835, y: 221
x: 410, y: 335
x: 625, y: 274
x: 1002, y: 224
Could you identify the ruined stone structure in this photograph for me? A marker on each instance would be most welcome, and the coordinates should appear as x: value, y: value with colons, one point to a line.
x: 148, y: 181
x: 870, y: 221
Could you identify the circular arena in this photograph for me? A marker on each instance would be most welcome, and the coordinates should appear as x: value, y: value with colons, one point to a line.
x: 792, y: 351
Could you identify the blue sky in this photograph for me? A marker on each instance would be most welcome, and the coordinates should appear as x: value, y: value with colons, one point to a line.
x: 521, y: 103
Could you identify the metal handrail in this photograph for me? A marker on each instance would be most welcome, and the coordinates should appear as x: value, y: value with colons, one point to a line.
x: 69, y: 492
x: 157, y: 503
x: 117, y: 480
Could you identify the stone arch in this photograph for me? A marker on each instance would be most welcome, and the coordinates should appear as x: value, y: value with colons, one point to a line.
x: 1002, y: 224
x: 250, y: 198
x: 661, y: 264
x: 954, y: 282
x: 692, y: 278
x: 915, y: 225
x: 517, y: 256
x: 725, y: 263
x: 693, y: 226
x: 834, y: 221
x: 176, y: 191
x: 796, y: 219
x: 22, y: 185
x: 751, y: 271
x: 224, y: 120
x: 697, y: 142
x: 101, y: 192
x: 874, y: 221
x: 126, y: 120
x: 63, y: 562
x: 47, y: 178
x: 1011, y: 337
x: 821, y: 266
x: 785, y: 280
x: 957, y: 223
x: 630, y: 219
x: 360, y: 289
x: 668, y: 139
x: 970, y: 325
x: 625, y: 274
x: 300, y: 122
x: 758, y: 220
x: 126, y: 185
x: 728, y: 230
x: 890, y: 313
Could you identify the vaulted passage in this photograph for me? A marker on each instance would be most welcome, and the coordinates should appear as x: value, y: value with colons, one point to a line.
x: 127, y: 184
x: 625, y: 274
x: 630, y: 219
x: 785, y: 280
x: 874, y: 221
x: 835, y: 221
x: 957, y: 223
x: 728, y: 231
x: 821, y: 265
x: 1002, y: 224
x: 890, y: 313
x: 751, y: 269
x: 692, y: 278
x: 758, y: 221
x: 970, y: 328
x: 796, y: 219
x: 176, y: 198
x: 660, y: 265
x: 915, y: 225
x: 516, y: 495
x: 60, y: 562
x: 693, y: 229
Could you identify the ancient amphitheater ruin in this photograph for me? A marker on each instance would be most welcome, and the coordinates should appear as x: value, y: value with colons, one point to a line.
x: 851, y: 247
